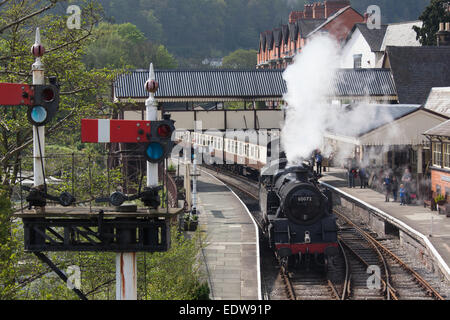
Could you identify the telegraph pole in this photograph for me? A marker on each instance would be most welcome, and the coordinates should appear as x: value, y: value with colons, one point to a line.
x: 37, y: 68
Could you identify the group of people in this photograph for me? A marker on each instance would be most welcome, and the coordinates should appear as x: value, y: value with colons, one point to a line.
x: 390, y: 183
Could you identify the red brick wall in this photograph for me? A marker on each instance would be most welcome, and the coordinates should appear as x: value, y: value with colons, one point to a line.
x: 343, y: 24
x: 436, y: 179
x: 331, y: 7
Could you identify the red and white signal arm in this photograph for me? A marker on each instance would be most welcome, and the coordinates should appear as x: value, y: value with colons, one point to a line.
x: 106, y: 130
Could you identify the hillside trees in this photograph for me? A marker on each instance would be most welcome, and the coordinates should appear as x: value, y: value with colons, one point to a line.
x: 85, y: 92
x: 124, y: 45
x: 214, y: 28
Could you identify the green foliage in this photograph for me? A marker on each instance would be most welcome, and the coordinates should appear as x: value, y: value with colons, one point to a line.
x: 213, y: 28
x: 240, y: 59
x: 438, y: 198
x: 202, y: 292
x: 8, y: 255
x: 175, y: 275
x: 125, y: 46
x: 436, y: 12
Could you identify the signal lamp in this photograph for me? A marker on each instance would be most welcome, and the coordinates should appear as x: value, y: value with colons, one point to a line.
x: 45, y: 106
x: 164, y: 131
x: 38, y: 115
x: 154, y: 152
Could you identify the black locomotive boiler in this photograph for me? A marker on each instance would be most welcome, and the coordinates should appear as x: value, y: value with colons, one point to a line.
x: 297, y: 213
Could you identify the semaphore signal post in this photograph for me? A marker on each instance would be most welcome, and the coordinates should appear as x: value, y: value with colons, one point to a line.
x: 110, y: 226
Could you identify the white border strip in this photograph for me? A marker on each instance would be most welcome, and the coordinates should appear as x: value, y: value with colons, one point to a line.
x: 258, y: 261
x: 442, y: 265
x: 103, y: 130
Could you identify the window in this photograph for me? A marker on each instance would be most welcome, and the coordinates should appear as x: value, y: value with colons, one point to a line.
x: 357, y: 61
x: 437, y: 154
x: 447, y: 155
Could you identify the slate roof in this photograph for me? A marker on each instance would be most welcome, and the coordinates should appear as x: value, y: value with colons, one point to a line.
x: 374, y: 37
x: 254, y: 83
x: 293, y: 31
x: 401, y: 34
x: 439, y: 101
x: 277, y: 36
x: 441, y: 130
x: 306, y: 26
x: 418, y: 69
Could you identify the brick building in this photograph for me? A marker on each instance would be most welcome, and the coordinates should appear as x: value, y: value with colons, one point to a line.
x: 277, y: 47
x: 440, y: 163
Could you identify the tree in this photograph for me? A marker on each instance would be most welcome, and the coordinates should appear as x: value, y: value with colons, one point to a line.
x: 240, y: 59
x: 125, y: 46
x: 437, y: 12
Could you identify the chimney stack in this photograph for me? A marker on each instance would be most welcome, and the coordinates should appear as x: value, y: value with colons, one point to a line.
x: 443, y: 35
x: 308, y: 11
x: 318, y: 10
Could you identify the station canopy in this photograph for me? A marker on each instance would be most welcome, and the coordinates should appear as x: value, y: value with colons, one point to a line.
x: 246, y: 85
x: 377, y: 125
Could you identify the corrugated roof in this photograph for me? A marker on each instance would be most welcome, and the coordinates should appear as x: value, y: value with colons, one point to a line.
x: 441, y: 130
x: 203, y: 84
x: 364, y: 82
x: 255, y: 83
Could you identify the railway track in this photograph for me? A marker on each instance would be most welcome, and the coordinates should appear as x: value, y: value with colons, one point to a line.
x: 397, y: 279
x: 391, y: 278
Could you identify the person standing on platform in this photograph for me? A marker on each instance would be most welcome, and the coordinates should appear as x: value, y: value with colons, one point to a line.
x: 402, y: 194
x: 319, y: 163
x: 406, y: 180
x: 363, y: 177
x: 351, y: 172
x: 387, y: 186
x: 394, y: 188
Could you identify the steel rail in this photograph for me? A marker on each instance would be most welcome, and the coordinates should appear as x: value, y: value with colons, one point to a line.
x: 388, y: 289
x: 347, y: 280
x: 290, y: 291
x: 422, y: 282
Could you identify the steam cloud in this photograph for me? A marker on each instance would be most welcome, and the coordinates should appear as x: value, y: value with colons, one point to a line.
x: 308, y: 82
x: 309, y: 112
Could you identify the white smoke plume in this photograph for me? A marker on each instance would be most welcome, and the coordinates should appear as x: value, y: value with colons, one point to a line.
x: 308, y: 82
x: 309, y: 113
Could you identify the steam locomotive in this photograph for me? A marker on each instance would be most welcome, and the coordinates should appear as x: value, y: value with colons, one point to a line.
x: 297, y: 211
x: 297, y: 214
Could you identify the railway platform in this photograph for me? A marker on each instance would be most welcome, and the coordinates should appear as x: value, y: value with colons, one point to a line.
x: 232, y: 253
x: 424, y: 221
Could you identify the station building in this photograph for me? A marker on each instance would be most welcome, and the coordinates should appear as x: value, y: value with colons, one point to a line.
x: 440, y: 165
